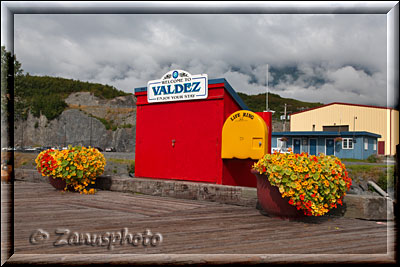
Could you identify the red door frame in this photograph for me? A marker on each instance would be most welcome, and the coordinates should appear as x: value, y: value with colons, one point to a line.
x: 381, y: 147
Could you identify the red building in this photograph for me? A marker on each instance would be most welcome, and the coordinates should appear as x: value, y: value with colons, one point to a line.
x: 182, y: 139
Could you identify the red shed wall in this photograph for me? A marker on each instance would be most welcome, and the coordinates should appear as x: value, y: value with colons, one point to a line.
x: 195, y: 126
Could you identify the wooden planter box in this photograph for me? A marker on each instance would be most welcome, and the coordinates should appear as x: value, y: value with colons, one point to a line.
x: 271, y: 201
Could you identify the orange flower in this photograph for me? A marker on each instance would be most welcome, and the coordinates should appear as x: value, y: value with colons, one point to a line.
x: 296, y: 179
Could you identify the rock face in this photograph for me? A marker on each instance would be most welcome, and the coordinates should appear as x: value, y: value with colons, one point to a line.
x: 76, y: 126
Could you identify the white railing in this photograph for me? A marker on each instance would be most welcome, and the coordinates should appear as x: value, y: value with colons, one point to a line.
x: 279, y: 149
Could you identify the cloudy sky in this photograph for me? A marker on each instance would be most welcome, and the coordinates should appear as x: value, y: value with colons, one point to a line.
x: 317, y: 58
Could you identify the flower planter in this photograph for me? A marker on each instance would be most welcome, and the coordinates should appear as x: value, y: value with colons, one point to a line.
x: 271, y: 200
x: 76, y: 166
x: 57, y: 183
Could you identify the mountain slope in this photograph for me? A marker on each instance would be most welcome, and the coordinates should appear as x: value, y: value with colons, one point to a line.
x: 276, y: 103
x: 46, y: 95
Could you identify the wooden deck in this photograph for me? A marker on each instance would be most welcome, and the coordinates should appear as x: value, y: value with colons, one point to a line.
x: 188, y: 228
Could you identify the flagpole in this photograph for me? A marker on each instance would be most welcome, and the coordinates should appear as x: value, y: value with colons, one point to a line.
x: 267, y: 88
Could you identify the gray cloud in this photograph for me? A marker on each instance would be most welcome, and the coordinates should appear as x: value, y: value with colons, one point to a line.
x: 335, y: 57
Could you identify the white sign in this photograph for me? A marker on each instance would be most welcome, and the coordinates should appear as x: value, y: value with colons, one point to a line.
x: 178, y: 85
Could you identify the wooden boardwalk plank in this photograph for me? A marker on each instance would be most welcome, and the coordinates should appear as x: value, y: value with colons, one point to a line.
x: 187, y: 226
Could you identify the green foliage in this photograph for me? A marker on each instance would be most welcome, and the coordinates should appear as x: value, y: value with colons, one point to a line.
x: 127, y: 125
x: 256, y: 103
x: 373, y: 158
x: 352, y: 160
x: 383, y: 175
x: 7, y: 82
x: 386, y: 179
x: 131, y: 167
x: 108, y: 124
x: 49, y: 105
x: 45, y: 95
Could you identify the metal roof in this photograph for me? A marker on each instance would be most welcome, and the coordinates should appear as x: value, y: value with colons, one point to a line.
x: 322, y: 133
x: 339, y: 103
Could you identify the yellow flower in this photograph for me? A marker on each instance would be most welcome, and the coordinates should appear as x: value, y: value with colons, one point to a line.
x: 298, y: 187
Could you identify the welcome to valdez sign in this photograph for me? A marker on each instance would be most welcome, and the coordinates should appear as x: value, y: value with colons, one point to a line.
x: 177, y: 85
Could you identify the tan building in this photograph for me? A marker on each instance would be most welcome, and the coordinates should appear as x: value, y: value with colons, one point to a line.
x: 351, y: 117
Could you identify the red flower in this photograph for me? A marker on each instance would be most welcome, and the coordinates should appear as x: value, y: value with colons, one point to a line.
x: 302, y: 197
x: 291, y: 201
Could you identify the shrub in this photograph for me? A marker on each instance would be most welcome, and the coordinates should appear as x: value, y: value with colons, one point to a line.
x: 373, y: 158
x: 131, y: 167
x: 386, y: 179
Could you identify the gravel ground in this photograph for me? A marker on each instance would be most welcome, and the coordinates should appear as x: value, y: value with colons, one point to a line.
x: 116, y: 167
x: 119, y: 155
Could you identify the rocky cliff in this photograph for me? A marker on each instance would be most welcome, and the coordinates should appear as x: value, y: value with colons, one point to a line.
x: 88, y: 121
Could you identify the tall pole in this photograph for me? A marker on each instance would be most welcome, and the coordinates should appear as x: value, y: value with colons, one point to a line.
x: 266, y: 82
x: 354, y: 134
x: 284, y: 119
x: 22, y: 133
x: 65, y: 132
x: 90, y: 137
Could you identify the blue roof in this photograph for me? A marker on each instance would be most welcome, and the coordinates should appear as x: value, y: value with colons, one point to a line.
x: 322, y: 133
x: 227, y: 86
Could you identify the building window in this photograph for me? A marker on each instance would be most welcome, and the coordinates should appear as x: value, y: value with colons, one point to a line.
x: 365, y: 143
x: 374, y: 144
x: 347, y: 143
